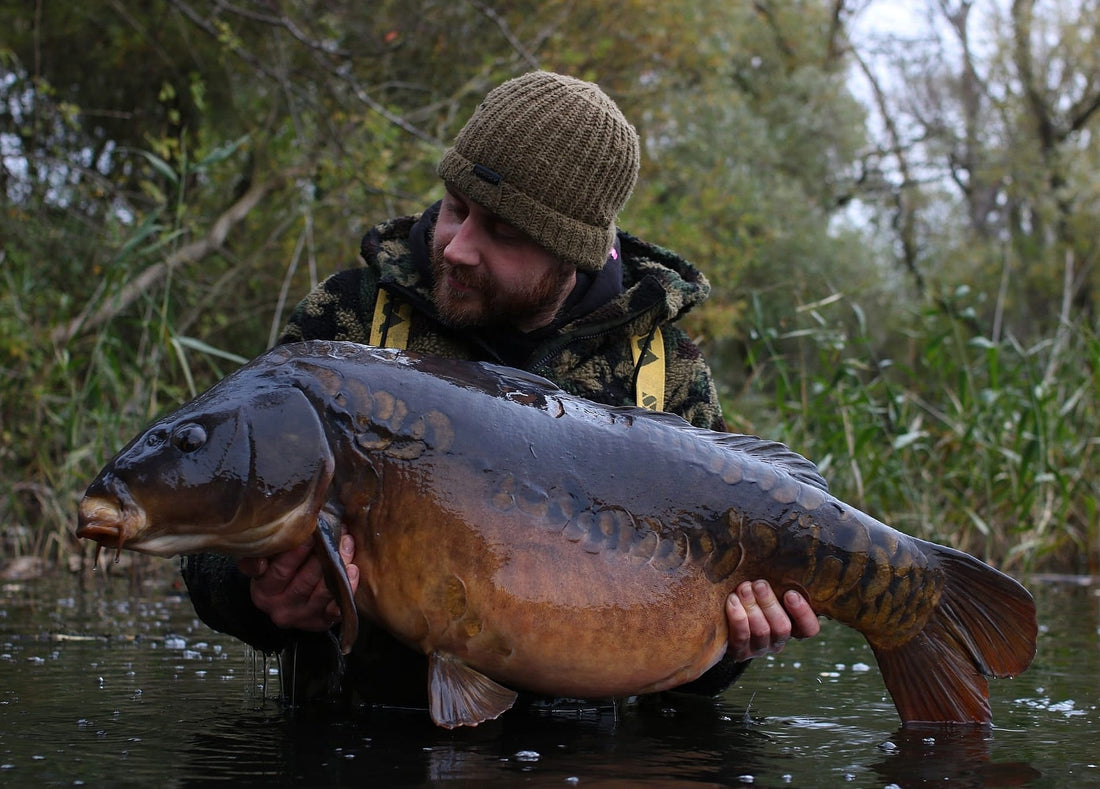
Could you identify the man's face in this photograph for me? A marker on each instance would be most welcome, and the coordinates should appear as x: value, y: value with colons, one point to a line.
x: 487, y: 272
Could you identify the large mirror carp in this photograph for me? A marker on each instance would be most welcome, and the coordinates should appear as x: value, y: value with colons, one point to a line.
x: 524, y: 538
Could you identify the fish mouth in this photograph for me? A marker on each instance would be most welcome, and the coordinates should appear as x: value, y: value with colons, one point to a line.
x: 109, y: 523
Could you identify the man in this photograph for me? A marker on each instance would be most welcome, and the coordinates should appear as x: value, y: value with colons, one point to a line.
x: 520, y: 263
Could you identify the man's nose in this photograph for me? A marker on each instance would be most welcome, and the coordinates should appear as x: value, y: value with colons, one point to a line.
x: 464, y: 247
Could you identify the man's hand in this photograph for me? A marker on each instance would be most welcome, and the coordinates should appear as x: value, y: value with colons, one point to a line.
x: 759, y: 625
x: 290, y: 587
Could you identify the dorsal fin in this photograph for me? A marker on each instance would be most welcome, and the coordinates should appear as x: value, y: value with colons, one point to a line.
x: 805, y: 471
x: 759, y: 449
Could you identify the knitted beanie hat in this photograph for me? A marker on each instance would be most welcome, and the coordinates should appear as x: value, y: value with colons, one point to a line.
x: 552, y: 155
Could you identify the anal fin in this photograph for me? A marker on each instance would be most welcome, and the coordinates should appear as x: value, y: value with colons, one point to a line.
x: 462, y: 696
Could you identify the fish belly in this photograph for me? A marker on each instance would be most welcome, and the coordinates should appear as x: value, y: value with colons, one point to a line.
x: 536, y: 611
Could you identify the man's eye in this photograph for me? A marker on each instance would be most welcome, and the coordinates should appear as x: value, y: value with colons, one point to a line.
x: 453, y: 205
x: 506, y: 232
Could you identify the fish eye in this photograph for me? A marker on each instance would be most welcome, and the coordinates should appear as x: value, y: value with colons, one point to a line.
x: 188, y: 437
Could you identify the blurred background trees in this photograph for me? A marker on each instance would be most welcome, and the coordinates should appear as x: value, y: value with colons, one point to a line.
x: 895, y: 204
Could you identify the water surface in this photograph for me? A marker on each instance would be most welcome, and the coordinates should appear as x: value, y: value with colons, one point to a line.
x: 108, y: 681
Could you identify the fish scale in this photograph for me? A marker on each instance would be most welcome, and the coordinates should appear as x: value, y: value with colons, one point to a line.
x: 523, y: 538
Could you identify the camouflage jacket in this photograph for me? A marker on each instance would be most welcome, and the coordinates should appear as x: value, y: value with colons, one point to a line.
x: 587, y: 355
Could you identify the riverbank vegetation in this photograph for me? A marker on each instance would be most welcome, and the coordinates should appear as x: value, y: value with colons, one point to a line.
x: 899, y: 228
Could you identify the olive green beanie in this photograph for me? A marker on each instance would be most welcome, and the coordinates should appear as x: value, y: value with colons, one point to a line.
x: 552, y: 155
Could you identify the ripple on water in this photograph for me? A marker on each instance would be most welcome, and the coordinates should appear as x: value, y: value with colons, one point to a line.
x: 102, y: 686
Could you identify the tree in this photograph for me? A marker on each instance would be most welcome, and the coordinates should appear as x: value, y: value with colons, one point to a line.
x: 993, y: 108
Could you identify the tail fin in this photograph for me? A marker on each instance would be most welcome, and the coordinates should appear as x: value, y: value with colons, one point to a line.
x: 983, y: 626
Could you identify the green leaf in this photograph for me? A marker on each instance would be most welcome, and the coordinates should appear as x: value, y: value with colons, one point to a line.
x: 161, y: 166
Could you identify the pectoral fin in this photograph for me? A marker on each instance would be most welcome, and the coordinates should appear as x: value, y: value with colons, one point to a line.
x: 325, y: 546
x: 462, y: 696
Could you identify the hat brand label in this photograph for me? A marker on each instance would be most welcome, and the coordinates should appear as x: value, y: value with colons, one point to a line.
x: 487, y: 175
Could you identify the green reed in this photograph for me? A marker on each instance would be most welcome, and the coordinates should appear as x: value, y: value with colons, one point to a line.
x: 67, y: 403
x: 951, y: 436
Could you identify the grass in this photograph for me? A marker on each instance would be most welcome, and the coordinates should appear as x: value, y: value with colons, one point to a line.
x: 980, y: 444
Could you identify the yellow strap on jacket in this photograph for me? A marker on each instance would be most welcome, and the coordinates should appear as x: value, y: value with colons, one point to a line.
x: 650, y: 364
x: 390, y: 329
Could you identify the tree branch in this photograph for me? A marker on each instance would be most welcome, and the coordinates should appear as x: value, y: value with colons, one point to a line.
x: 92, y: 317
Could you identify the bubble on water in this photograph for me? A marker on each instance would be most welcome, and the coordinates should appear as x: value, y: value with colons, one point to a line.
x: 888, y: 747
x: 527, y: 756
x: 175, y: 642
x: 860, y: 667
x: 1067, y: 707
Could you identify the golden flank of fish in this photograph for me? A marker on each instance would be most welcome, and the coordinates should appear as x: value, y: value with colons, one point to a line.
x: 527, y: 539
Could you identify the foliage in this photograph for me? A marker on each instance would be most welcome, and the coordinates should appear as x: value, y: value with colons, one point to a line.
x: 175, y: 174
x: 983, y: 445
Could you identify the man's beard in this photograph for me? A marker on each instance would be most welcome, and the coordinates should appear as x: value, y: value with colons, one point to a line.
x: 484, y: 304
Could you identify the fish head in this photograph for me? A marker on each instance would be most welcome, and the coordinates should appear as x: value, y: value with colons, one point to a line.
x: 243, y: 470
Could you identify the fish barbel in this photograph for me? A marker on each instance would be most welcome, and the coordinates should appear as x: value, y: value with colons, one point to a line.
x: 524, y: 538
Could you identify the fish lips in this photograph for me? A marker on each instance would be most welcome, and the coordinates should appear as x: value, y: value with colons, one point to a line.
x: 109, y: 516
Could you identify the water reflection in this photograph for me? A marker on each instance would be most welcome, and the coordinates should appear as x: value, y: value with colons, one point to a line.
x: 960, y: 757
x: 119, y: 685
